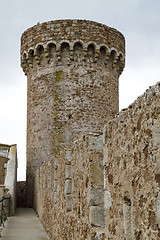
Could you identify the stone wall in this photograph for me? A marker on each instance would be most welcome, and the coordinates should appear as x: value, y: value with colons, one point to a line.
x: 106, y: 187
x: 69, y: 191
x: 132, y: 170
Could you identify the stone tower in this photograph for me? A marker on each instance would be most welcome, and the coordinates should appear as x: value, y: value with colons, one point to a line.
x: 72, y: 69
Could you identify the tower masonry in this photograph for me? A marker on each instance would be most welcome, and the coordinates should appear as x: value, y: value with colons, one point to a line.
x: 73, y: 69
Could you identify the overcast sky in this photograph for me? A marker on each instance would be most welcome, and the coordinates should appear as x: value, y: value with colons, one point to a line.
x: 138, y: 20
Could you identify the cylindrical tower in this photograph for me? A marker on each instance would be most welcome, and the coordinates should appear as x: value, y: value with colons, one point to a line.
x: 72, y: 67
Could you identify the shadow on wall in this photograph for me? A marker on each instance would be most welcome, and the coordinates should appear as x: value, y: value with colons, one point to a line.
x: 21, y: 194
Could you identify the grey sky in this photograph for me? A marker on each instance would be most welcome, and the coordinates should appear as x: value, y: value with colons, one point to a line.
x: 138, y: 20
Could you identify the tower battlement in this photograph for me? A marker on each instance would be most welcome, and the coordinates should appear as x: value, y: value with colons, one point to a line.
x: 64, y: 41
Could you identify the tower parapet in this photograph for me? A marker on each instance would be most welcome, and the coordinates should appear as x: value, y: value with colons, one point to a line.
x: 93, y: 41
x: 72, y: 67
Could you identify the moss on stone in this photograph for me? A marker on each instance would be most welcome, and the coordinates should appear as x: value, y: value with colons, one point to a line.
x: 57, y: 135
x: 58, y: 75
